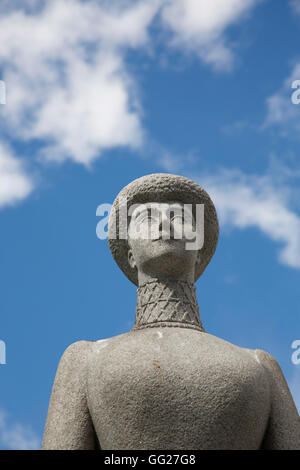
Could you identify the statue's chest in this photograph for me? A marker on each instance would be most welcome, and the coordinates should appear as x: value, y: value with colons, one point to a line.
x: 154, y: 389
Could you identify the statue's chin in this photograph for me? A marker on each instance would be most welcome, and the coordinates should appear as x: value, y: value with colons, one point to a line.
x: 168, y: 262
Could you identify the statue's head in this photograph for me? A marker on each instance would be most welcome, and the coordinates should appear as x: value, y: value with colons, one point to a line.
x: 163, y: 225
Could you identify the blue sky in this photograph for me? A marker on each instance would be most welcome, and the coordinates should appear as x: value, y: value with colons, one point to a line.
x: 100, y: 93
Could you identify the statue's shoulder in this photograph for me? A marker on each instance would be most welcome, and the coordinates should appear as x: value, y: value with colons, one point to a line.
x: 268, y: 362
x: 75, y: 356
x: 261, y: 360
x: 224, y: 346
x: 77, y: 348
x: 264, y: 358
x: 269, y: 365
x: 80, y: 351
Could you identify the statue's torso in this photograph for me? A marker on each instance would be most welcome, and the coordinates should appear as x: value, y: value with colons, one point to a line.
x: 176, y: 388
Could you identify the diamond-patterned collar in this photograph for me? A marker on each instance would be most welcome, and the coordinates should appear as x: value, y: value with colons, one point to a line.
x: 168, y: 303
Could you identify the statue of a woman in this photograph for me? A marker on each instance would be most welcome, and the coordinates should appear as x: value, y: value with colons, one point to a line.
x: 167, y: 384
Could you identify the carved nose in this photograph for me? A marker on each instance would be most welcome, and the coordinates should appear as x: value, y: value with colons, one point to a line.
x: 165, y: 226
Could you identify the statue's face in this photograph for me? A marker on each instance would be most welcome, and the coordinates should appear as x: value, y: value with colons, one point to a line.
x: 157, y: 237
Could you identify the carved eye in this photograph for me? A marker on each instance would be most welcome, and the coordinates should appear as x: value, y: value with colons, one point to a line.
x: 144, y: 218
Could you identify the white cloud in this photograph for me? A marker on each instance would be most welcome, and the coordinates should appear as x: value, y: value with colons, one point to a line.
x: 15, y: 184
x: 64, y: 62
x: 69, y: 85
x: 66, y: 77
x: 15, y: 436
x: 244, y: 201
x: 281, y: 111
x: 200, y: 26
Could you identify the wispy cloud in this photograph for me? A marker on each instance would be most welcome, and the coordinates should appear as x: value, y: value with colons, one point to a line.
x: 15, y: 183
x: 245, y: 201
x: 16, y: 436
x: 200, y: 27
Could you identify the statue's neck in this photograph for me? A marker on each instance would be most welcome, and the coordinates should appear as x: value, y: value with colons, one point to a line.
x: 167, y: 303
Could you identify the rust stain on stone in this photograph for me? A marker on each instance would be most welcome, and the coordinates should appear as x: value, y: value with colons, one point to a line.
x: 156, y: 363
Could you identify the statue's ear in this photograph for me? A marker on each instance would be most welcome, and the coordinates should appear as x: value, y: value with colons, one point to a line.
x: 131, y: 259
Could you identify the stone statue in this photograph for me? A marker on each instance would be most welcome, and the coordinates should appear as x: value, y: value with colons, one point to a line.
x: 167, y: 384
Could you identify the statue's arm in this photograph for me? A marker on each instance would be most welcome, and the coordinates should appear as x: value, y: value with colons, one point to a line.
x: 69, y: 425
x: 283, y: 430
